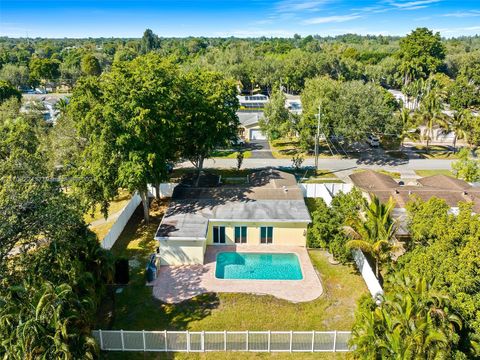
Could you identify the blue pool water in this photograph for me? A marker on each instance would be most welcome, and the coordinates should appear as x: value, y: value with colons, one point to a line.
x: 258, y: 266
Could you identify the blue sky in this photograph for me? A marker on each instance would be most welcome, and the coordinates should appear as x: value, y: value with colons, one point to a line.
x: 245, y: 18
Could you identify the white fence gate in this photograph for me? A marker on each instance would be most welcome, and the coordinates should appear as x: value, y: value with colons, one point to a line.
x: 203, y: 341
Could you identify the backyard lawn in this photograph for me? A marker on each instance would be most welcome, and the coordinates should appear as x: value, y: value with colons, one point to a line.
x: 136, y: 309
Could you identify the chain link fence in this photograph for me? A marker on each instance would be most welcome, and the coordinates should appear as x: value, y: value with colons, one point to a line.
x: 202, y: 341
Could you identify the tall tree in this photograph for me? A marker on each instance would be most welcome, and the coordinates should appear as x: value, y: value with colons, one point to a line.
x: 149, y: 42
x: 277, y: 117
x: 207, y: 114
x: 422, y: 53
x: 128, y: 118
x: 90, y: 65
x: 430, y: 115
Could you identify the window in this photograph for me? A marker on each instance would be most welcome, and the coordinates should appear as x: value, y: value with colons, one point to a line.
x: 266, y: 235
x: 240, y: 234
x: 219, y: 234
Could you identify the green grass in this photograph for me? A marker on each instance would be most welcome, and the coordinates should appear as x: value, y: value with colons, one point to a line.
x: 116, y: 205
x: 230, y: 154
x: 224, y: 356
x: 424, y: 173
x: 287, y: 147
x: 393, y: 174
x: 136, y: 309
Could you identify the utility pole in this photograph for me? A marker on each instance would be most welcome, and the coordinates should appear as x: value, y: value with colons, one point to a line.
x: 317, y: 136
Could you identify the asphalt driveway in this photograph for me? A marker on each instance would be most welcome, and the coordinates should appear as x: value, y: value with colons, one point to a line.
x: 261, y: 149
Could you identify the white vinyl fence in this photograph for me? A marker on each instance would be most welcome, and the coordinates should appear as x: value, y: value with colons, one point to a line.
x: 325, y: 191
x: 165, y: 190
x: 203, y: 341
x: 368, y: 275
x: 121, y: 222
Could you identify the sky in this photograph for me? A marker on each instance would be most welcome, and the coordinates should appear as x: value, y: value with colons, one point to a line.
x: 240, y: 18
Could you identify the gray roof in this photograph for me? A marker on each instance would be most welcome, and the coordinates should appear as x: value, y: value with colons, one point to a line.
x: 249, y: 118
x: 272, y: 196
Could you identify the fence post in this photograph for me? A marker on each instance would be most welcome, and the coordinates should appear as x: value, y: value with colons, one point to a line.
x: 313, y: 340
x: 203, y: 341
x: 335, y: 341
x: 166, y: 343
x: 123, y: 344
x: 188, y: 341
x: 246, y: 343
x: 101, y: 339
x: 144, y: 344
x: 291, y: 340
x: 269, y: 340
x: 224, y: 340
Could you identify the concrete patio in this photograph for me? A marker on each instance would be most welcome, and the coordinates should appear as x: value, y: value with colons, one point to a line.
x: 175, y: 284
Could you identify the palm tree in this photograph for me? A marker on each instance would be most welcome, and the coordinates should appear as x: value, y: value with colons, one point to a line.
x: 413, y: 322
x: 408, y: 126
x: 374, y: 233
x: 430, y: 115
x: 458, y: 124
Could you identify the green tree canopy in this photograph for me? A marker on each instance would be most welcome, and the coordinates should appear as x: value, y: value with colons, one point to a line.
x: 90, y: 65
x: 422, y: 53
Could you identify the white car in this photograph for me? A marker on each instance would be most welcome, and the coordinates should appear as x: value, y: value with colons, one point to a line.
x: 373, y: 140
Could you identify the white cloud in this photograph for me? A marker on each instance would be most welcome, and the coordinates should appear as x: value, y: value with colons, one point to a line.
x: 412, y: 5
x: 299, y: 5
x: 331, y: 19
x: 461, y: 14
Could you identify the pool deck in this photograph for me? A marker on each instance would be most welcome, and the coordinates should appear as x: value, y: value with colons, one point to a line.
x: 175, y: 284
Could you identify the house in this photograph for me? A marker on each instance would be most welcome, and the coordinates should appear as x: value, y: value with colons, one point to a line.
x: 444, y: 187
x: 250, y: 125
x: 269, y: 211
x: 257, y: 101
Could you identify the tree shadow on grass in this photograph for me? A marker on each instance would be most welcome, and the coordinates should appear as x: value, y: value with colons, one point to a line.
x: 135, y: 308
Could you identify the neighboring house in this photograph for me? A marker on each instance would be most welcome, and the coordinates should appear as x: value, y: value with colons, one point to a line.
x: 257, y: 101
x: 250, y: 125
x: 293, y: 103
x: 44, y: 103
x: 269, y: 211
x: 443, y: 187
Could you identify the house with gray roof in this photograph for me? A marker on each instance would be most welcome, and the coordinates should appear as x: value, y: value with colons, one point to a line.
x: 269, y: 210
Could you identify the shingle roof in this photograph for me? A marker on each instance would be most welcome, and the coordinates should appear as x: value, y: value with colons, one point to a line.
x: 249, y: 118
x: 443, y: 187
x: 271, y: 196
x: 369, y: 180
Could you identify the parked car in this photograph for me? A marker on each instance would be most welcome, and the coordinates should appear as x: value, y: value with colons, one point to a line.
x: 373, y: 140
x: 238, y: 142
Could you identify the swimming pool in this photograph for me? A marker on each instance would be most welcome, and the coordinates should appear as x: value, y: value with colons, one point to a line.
x: 258, y: 266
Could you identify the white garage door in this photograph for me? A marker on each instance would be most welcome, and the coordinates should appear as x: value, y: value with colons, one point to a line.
x: 256, y: 134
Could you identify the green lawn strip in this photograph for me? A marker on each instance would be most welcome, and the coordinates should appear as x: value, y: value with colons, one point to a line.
x: 222, y: 356
x: 424, y: 173
x: 229, y: 154
x: 393, y: 174
x: 116, y: 205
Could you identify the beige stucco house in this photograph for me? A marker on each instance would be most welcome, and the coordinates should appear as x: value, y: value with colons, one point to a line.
x: 269, y: 211
x: 250, y: 125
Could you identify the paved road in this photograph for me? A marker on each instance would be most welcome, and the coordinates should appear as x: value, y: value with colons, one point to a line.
x: 334, y: 164
x: 261, y: 149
